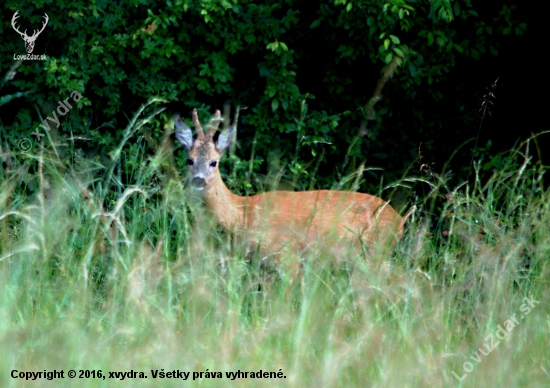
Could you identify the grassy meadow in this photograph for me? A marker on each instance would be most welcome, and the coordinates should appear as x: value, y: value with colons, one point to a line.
x: 99, y: 271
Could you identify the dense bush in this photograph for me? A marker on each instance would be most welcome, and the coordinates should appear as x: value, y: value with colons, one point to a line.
x: 305, y: 70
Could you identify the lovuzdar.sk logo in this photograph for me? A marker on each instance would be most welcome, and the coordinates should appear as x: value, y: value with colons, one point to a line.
x: 29, y: 40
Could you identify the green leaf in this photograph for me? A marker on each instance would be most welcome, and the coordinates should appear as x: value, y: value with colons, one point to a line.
x: 315, y: 24
x: 456, y: 7
x: 271, y: 91
x: 349, y: 6
x: 507, y: 31
x: 430, y: 38
x: 273, y: 46
x: 274, y: 104
x: 399, y: 52
x: 518, y: 31
x: 459, y: 48
x: 395, y: 39
x: 388, y: 58
x: 386, y: 44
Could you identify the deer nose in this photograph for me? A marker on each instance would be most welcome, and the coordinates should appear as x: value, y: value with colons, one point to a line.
x: 198, y: 182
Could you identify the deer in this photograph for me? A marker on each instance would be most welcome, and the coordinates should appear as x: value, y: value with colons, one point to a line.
x: 279, y: 222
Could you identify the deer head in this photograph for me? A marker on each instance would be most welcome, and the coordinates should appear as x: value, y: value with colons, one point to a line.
x: 203, y: 152
x: 29, y: 40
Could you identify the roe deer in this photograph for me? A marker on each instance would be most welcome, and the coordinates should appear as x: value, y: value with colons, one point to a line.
x: 285, y: 220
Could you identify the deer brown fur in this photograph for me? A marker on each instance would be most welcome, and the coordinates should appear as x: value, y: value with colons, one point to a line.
x: 288, y: 221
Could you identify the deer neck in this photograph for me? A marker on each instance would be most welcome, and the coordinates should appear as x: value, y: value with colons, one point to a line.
x: 227, y: 207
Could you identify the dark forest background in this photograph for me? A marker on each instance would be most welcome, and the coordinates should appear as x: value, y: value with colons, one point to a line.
x: 305, y: 71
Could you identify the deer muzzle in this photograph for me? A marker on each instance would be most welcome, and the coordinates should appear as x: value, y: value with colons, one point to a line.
x: 198, y: 183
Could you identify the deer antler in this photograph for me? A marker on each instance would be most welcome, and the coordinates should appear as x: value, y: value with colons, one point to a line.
x: 214, y: 124
x: 36, y: 33
x: 15, y: 16
x: 197, y: 124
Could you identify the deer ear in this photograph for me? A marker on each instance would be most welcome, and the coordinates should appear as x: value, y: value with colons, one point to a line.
x: 184, y: 135
x: 225, y: 139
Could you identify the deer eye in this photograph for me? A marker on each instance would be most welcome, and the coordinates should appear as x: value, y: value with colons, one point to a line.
x: 213, y: 164
x: 190, y: 162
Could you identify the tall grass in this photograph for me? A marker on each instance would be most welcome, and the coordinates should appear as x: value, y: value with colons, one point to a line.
x: 101, y: 270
